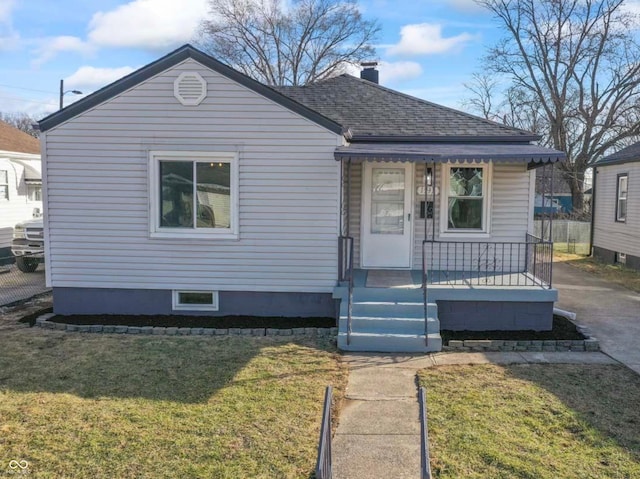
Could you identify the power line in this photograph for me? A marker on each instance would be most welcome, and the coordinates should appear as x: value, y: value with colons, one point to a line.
x: 28, y: 89
x: 27, y: 100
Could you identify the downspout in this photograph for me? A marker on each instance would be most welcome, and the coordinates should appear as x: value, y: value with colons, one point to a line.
x: 593, y: 209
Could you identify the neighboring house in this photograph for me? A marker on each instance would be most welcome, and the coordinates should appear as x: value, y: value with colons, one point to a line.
x: 560, y: 202
x: 20, y: 182
x: 616, y: 207
x: 189, y: 188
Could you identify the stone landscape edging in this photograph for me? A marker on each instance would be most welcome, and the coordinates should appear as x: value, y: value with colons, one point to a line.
x: 554, y: 345
x: 43, y: 322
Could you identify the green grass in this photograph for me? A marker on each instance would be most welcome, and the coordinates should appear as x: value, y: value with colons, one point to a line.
x: 106, y: 406
x: 533, y: 421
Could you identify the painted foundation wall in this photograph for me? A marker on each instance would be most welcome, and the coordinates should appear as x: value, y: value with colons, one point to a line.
x: 154, y: 301
x: 490, y: 315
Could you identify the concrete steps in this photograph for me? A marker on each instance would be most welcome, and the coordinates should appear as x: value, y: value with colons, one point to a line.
x: 389, y: 320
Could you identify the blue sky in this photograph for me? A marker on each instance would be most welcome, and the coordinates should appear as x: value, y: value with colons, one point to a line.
x: 427, y: 48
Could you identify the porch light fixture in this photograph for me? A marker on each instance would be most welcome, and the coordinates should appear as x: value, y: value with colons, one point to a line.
x: 428, y: 178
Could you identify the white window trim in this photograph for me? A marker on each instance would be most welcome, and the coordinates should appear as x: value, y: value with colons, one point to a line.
x: 621, y: 176
x: 178, y: 306
x: 485, y: 232
x: 156, y: 231
x: 8, y: 197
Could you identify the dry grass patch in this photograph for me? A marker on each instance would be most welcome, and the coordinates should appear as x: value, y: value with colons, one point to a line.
x: 613, y: 273
x: 105, y: 406
x: 533, y: 421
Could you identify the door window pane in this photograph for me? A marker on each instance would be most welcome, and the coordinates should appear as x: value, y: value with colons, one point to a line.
x: 213, y: 192
x: 176, y: 183
x: 387, y: 200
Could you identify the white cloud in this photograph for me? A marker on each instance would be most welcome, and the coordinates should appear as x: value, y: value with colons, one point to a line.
x: 88, y: 78
x: 427, y: 39
x: 153, y: 24
x: 50, y: 47
x: 391, y: 72
x: 466, y: 6
x: 6, y: 9
x: 9, y: 38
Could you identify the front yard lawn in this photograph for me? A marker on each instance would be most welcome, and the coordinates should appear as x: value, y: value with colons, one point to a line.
x: 542, y: 421
x: 106, y: 406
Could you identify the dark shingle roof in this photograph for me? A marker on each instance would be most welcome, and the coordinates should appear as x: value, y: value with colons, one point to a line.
x: 630, y: 153
x: 373, y: 112
x: 12, y: 139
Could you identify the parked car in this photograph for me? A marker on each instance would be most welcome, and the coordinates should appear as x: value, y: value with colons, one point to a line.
x: 28, y: 244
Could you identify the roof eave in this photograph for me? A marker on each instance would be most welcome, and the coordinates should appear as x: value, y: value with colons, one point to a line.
x: 171, y: 59
x: 444, y: 139
x: 613, y: 161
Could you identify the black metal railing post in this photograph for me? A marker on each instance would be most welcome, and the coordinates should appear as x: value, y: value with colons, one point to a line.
x: 425, y: 465
x: 324, y: 461
x: 425, y: 281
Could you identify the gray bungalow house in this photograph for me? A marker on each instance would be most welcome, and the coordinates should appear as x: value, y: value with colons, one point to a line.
x: 615, y: 227
x: 189, y: 188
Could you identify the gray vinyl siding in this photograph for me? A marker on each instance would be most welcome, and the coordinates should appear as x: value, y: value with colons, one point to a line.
x: 355, y: 209
x: 609, y: 233
x: 509, y: 211
x: 98, y: 198
x: 508, y: 214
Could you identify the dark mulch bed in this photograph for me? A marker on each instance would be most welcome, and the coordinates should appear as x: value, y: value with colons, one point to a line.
x: 31, y: 318
x: 563, y: 329
x: 221, y: 322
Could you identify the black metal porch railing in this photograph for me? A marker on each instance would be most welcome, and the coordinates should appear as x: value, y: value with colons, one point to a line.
x: 425, y: 297
x: 345, y: 260
x: 324, y: 464
x: 540, y: 259
x: 484, y: 263
x: 425, y: 465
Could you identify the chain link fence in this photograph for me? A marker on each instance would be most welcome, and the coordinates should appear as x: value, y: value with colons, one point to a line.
x: 20, y: 282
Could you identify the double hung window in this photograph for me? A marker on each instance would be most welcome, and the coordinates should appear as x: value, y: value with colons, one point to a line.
x: 194, y: 194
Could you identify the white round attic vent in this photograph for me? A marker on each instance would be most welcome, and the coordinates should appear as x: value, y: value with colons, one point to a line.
x: 190, y: 88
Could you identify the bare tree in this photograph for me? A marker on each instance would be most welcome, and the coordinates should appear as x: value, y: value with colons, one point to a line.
x: 574, y: 73
x: 21, y: 121
x: 280, y: 43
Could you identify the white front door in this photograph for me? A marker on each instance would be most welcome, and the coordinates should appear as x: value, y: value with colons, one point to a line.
x: 386, y: 215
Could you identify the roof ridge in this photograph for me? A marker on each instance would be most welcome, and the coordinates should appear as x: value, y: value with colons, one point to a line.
x: 432, y: 104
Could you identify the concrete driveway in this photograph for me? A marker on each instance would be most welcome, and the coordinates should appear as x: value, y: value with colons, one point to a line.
x: 611, y: 312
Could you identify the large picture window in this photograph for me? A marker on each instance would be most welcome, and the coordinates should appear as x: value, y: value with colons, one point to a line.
x: 194, y: 194
x: 621, y: 198
x: 465, y: 199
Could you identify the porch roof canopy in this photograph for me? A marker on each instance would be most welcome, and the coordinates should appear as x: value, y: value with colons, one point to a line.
x: 533, y: 155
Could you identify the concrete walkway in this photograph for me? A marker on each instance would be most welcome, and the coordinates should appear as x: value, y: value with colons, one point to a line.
x: 378, y: 435
x: 611, y: 312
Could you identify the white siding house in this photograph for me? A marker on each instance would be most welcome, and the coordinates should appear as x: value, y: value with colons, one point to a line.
x: 188, y: 187
x: 616, y: 210
x: 20, y: 182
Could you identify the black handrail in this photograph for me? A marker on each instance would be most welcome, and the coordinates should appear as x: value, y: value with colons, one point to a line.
x: 425, y: 281
x: 324, y: 462
x: 346, y: 274
x: 486, y: 263
x: 425, y: 465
